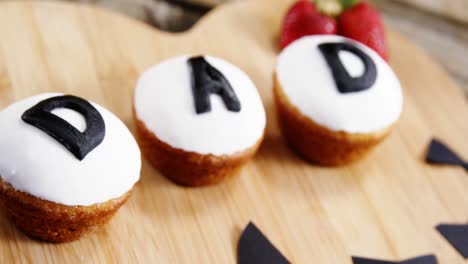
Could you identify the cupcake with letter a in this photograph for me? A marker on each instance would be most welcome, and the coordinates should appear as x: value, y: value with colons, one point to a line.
x: 199, y: 119
x: 66, y: 165
x: 336, y: 98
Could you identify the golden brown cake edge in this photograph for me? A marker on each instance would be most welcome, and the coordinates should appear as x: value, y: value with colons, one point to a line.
x: 53, y: 222
x: 189, y: 168
x: 316, y: 143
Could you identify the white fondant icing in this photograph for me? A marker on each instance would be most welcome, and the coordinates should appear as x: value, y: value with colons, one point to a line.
x: 307, y: 81
x: 34, y: 162
x: 165, y: 104
x: 72, y: 117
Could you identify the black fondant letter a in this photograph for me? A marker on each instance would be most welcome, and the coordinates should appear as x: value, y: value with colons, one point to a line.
x: 79, y: 144
x: 207, y: 80
x: 344, y: 82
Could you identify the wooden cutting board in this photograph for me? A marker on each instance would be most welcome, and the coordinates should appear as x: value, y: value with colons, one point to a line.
x: 385, y: 206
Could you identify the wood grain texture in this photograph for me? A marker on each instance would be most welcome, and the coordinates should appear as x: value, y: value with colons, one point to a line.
x: 445, y: 40
x: 385, y: 206
x: 455, y: 9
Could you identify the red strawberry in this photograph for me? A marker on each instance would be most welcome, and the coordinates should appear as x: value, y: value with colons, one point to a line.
x: 363, y: 23
x: 302, y: 19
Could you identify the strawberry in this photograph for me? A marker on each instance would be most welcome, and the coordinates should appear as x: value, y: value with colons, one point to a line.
x: 363, y: 23
x: 302, y: 19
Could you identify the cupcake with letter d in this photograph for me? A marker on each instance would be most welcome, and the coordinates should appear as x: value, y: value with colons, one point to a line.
x: 66, y: 165
x: 336, y: 98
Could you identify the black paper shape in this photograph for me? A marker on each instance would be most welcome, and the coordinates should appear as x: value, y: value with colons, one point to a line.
x: 78, y: 143
x: 207, y: 80
x: 438, y: 153
x: 344, y: 82
x: 457, y: 235
x: 255, y: 248
x: 428, y: 259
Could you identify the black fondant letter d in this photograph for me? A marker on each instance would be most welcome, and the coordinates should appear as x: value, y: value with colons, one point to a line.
x: 207, y: 80
x: 344, y: 82
x: 78, y: 143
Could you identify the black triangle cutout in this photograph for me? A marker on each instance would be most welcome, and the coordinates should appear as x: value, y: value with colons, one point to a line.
x: 427, y: 259
x: 457, y: 236
x: 439, y: 153
x: 255, y: 248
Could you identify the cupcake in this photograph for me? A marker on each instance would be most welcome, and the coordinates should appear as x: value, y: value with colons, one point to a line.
x: 67, y: 165
x: 336, y: 98
x: 198, y: 119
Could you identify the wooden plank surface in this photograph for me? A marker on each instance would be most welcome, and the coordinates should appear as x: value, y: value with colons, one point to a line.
x: 385, y: 206
x: 455, y: 9
x: 445, y: 40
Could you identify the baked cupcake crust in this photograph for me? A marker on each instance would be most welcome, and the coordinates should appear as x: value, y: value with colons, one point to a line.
x: 317, y: 143
x: 53, y: 222
x: 189, y: 168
